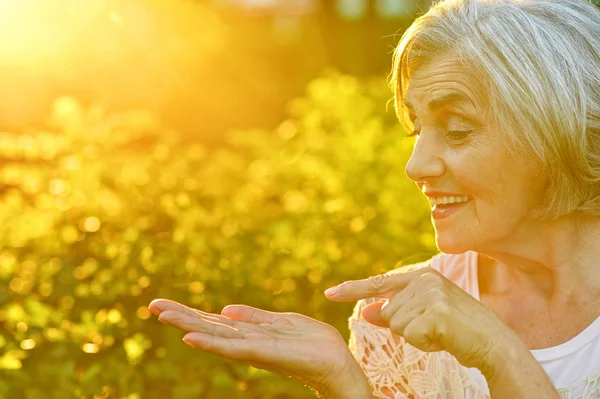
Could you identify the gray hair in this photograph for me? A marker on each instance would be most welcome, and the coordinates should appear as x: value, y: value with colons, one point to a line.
x: 539, y: 63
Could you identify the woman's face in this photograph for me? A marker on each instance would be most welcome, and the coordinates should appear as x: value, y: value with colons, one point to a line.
x: 481, y: 194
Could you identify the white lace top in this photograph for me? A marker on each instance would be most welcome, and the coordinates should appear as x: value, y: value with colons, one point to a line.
x: 398, y: 370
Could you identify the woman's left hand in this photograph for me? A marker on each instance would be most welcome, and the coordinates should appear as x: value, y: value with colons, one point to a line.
x: 432, y: 314
x: 290, y: 344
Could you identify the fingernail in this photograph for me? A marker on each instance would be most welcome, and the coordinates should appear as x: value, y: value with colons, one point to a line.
x: 332, y: 291
x: 154, y: 310
x: 188, y: 343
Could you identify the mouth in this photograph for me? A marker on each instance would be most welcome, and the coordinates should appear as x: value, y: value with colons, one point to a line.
x: 448, y: 200
x: 443, y: 207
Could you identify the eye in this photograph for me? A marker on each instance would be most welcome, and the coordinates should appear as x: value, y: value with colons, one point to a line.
x: 457, y: 126
x: 459, y: 136
x: 459, y: 133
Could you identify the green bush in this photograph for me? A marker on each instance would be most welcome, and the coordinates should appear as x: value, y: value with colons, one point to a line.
x: 104, y: 213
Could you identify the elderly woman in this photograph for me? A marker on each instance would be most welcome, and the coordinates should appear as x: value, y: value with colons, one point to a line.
x: 503, y: 97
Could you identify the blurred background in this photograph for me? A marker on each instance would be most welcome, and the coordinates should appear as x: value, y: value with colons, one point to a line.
x: 211, y: 152
x: 203, y: 66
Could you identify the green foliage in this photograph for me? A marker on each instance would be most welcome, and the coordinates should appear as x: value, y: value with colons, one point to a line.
x: 107, y: 212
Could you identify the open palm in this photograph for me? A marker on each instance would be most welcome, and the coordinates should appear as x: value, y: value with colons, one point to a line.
x: 290, y: 344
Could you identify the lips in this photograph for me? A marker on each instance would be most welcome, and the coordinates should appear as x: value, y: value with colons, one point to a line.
x: 442, y: 211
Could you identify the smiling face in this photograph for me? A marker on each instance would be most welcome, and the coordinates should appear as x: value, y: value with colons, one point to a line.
x: 481, y: 193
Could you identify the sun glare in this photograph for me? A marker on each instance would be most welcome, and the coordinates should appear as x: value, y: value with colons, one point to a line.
x: 40, y: 32
x: 111, y: 51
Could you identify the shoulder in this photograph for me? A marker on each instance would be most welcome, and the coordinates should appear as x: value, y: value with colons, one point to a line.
x: 449, y: 265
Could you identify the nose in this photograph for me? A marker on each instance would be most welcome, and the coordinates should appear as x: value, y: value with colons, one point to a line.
x: 426, y: 161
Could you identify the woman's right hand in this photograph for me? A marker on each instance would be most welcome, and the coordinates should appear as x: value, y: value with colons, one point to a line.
x: 290, y: 344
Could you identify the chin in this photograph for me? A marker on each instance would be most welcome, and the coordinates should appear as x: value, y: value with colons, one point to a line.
x: 451, y: 245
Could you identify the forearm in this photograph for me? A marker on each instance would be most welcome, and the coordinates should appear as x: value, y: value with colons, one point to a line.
x: 518, y: 375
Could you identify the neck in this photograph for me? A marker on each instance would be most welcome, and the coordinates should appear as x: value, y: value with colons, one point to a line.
x: 558, y: 260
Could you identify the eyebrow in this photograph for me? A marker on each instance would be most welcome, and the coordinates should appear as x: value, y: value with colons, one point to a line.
x: 439, y: 102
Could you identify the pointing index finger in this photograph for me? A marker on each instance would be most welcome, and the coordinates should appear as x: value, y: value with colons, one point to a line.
x: 381, y: 286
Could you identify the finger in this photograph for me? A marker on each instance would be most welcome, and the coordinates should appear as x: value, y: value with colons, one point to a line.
x: 382, y: 285
x: 251, y: 315
x: 372, y: 314
x: 422, y: 334
x: 158, y: 306
x: 404, y: 299
x: 402, y: 318
x: 197, y: 323
x: 231, y: 348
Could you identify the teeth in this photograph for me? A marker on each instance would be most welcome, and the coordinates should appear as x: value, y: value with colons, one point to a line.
x: 447, y: 200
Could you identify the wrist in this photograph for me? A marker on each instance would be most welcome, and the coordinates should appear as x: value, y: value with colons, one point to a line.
x: 352, y: 384
x: 514, y: 373
x: 504, y: 356
x: 499, y: 363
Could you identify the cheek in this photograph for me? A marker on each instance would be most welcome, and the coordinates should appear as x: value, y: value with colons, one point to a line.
x: 501, y: 202
x: 484, y: 175
x: 476, y: 173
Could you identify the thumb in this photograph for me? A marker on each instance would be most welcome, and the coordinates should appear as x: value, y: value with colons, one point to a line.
x: 372, y: 314
x: 249, y: 314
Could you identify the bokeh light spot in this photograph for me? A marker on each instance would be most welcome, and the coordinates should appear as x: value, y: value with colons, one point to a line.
x: 144, y: 282
x: 91, y: 224
x: 113, y: 316
x: 357, y: 224
x: 28, y: 344
x: 143, y: 313
x: 90, y: 348
x: 22, y: 326
x: 59, y: 187
x: 197, y: 287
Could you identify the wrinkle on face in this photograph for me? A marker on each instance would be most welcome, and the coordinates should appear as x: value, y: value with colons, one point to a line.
x: 444, y: 77
x: 503, y: 185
